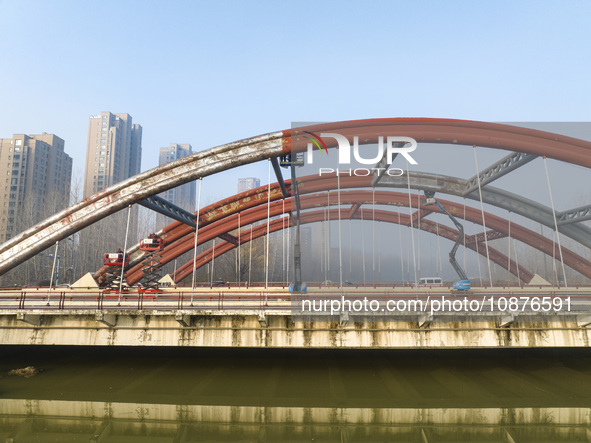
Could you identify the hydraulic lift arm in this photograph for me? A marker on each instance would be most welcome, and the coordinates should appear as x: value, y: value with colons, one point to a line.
x: 452, y: 254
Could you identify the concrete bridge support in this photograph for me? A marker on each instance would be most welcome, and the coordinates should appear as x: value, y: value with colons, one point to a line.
x: 275, y: 329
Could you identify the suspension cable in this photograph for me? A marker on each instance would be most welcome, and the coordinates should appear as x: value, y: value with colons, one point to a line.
x: 363, y: 246
x: 350, y: 244
x: 408, y: 262
x: 239, y: 250
x: 124, y: 254
x: 53, y: 271
x: 288, y: 249
x: 464, y: 239
x: 478, y: 259
x: 412, y: 231
x: 212, y: 261
x: 373, y: 235
x: 483, y: 220
x: 555, y: 223
x: 401, y: 252
x: 439, y: 264
x: 283, y: 276
x: 328, y: 236
x: 545, y: 255
x: 516, y: 263
x: 196, y: 236
x: 250, y: 257
x: 340, y: 243
x: 322, y: 246
x: 267, y: 236
x: 509, y: 254
x: 419, y: 234
x: 380, y: 251
x: 554, y: 269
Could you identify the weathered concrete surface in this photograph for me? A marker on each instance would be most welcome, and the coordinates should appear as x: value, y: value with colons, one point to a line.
x: 193, y: 328
x: 298, y: 415
x: 45, y: 420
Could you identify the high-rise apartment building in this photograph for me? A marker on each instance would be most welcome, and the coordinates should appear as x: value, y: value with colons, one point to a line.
x: 244, y: 184
x: 113, y: 154
x: 113, y: 151
x: 182, y: 196
x: 36, y: 175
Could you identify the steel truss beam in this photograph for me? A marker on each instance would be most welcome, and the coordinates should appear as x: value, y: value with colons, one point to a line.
x: 498, y: 169
x: 493, y: 196
x: 158, y: 204
x: 490, y: 235
x: 380, y: 168
x: 574, y: 215
x: 201, y: 164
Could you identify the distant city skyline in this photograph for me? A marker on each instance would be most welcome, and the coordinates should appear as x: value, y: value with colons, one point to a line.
x: 244, y: 184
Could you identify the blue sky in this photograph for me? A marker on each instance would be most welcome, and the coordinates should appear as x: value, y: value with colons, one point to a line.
x: 207, y: 73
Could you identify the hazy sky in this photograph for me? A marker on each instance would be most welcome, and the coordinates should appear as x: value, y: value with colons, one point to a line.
x: 208, y: 73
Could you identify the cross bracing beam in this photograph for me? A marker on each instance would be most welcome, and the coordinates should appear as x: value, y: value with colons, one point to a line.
x: 490, y: 235
x: 204, y: 163
x: 419, y: 215
x: 255, y: 214
x: 575, y: 215
x: 354, y: 208
x: 168, y: 209
x: 498, y: 169
x: 229, y: 238
x: 279, y: 176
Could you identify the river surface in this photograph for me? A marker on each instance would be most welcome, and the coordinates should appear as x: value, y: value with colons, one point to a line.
x: 262, y: 395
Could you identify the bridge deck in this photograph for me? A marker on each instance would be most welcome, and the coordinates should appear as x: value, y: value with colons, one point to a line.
x: 419, y: 318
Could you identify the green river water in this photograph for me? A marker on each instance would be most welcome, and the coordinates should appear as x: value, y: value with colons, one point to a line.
x: 101, y: 394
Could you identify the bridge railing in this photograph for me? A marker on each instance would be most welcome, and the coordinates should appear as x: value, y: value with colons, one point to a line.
x: 205, y: 299
x: 69, y: 299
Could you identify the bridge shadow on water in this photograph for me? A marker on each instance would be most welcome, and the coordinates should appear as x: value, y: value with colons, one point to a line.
x: 196, y: 394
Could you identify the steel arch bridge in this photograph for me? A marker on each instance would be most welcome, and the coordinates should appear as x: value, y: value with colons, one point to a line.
x: 222, y: 218
x: 526, y: 144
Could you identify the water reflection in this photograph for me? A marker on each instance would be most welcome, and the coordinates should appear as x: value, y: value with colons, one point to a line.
x: 71, y: 421
x: 175, y: 395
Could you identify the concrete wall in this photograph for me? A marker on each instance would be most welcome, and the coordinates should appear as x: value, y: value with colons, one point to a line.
x: 277, y: 330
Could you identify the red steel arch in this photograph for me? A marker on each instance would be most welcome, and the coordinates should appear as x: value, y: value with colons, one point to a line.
x: 252, y: 198
x: 380, y: 215
x: 449, y: 131
x: 182, y: 244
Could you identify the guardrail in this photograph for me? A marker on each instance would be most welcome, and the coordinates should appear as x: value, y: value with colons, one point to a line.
x: 219, y: 300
